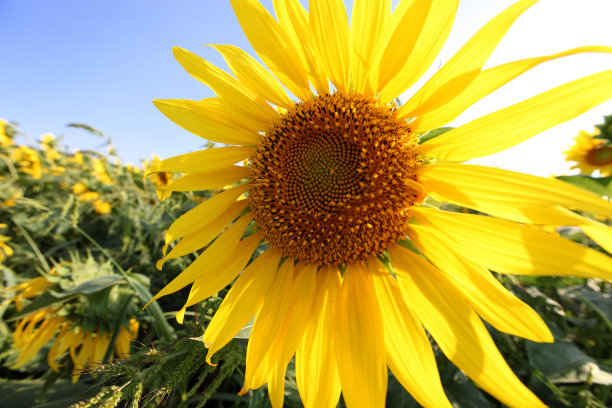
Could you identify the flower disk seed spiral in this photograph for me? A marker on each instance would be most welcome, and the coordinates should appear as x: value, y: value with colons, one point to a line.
x: 334, y: 179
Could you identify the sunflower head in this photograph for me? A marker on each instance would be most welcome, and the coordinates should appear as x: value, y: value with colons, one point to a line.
x: 591, y: 153
x: 79, y: 323
x: 335, y: 179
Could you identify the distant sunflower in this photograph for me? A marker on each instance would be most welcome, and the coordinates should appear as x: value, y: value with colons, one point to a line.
x: 86, y: 345
x: 590, y: 154
x: 339, y: 183
x: 5, y: 139
x: 28, y: 160
x: 160, y: 179
x: 5, y: 249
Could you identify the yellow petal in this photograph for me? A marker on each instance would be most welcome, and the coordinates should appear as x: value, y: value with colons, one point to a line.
x: 39, y: 338
x: 203, y: 119
x: 207, y: 181
x: 201, y: 215
x: 212, y: 280
x: 507, y: 247
x: 61, y: 344
x: 227, y: 87
x: 457, y: 329
x: 242, y: 301
x: 408, y: 350
x: 102, y: 342
x: 214, y: 256
x: 292, y: 330
x: 254, y: 76
x: 268, y: 40
x: 486, y: 82
x: 202, y: 161
x: 491, y: 300
x: 521, y: 121
x: 76, y: 341
x: 398, y: 39
x: 293, y: 18
x: 315, y: 362
x: 330, y: 31
x: 205, y: 234
x: 511, y: 195
x: 368, y: 19
x: 80, y: 361
x: 432, y: 37
x: 122, y: 344
x: 269, y: 320
x: 464, y: 66
x: 359, y: 337
x: 600, y: 233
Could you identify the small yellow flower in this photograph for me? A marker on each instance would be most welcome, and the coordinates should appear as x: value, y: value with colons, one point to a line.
x: 10, y: 202
x: 78, y: 157
x: 47, y: 139
x: 590, y: 154
x: 100, y: 171
x: 88, y: 196
x: 101, y: 207
x: 28, y: 160
x: 5, y: 140
x: 79, y: 188
x: 5, y: 250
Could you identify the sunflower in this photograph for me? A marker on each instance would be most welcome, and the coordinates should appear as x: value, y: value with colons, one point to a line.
x: 86, y: 345
x: 28, y: 160
x: 343, y: 187
x: 5, y: 249
x: 590, y: 154
x: 160, y: 179
x: 5, y: 139
x: 99, y: 170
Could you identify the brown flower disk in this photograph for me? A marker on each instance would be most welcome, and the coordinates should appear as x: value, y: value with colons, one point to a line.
x: 334, y: 178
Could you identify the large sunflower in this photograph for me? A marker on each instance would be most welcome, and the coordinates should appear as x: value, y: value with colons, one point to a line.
x: 341, y: 186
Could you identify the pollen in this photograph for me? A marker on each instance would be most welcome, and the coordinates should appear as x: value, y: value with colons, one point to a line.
x: 333, y: 181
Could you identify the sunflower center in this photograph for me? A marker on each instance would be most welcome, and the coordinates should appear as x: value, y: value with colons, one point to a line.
x: 600, y: 156
x: 333, y: 180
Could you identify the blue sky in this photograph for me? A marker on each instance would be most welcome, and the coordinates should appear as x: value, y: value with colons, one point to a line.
x: 103, y: 62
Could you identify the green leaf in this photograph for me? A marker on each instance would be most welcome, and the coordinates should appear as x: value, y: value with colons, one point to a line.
x: 461, y: 392
x: 433, y: 133
x: 598, y: 185
x: 26, y: 393
x: 245, y: 332
x: 162, y: 326
x: 90, y: 286
x: 88, y: 128
x: 563, y: 363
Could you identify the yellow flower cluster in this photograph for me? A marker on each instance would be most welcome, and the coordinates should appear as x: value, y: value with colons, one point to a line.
x: 86, y: 195
x: 100, y: 171
x: 28, y: 160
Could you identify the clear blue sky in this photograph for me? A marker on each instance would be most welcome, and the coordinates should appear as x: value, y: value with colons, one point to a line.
x: 102, y: 62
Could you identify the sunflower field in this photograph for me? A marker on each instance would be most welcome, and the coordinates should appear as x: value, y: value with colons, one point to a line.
x: 81, y: 234
x: 331, y: 244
